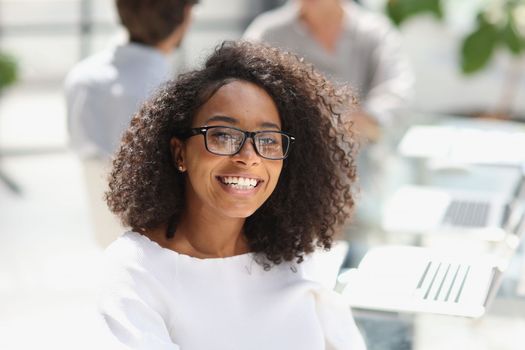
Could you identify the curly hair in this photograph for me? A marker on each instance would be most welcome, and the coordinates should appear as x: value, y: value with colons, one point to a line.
x: 314, y: 192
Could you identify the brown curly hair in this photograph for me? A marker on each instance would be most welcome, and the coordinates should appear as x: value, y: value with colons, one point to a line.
x: 314, y: 193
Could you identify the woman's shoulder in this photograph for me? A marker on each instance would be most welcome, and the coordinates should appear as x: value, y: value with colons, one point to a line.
x: 135, y: 269
x: 131, y: 246
x: 135, y: 254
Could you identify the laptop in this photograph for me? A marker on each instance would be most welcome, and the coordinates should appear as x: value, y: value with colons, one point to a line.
x: 422, y: 280
x: 434, y: 210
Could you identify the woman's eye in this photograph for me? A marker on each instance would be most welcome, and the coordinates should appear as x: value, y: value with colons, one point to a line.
x: 222, y: 136
x: 268, y: 140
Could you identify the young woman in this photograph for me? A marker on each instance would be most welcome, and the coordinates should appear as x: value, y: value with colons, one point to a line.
x: 229, y: 177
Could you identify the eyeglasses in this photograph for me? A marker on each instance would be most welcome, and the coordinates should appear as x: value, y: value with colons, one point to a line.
x: 228, y: 141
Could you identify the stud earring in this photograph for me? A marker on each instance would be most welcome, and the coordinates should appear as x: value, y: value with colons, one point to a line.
x: 181, y: 168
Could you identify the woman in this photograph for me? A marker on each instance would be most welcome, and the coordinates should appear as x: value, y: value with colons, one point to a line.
x: 229, y: 177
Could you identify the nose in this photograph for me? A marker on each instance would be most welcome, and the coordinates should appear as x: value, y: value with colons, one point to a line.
x: 247, y: 155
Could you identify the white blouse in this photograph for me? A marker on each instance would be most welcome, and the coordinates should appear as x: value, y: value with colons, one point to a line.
x: 155, y: 298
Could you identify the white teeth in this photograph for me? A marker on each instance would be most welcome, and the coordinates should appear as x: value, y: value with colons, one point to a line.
x: 239, y: 182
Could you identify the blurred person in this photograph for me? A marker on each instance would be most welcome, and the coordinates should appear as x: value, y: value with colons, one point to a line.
x: 349, y: 44
x: 354, y: 46
x: 230, y: 177
x: 105, y: 90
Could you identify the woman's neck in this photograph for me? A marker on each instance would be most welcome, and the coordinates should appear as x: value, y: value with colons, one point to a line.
x: 203, y: 236
x: 210, y: 238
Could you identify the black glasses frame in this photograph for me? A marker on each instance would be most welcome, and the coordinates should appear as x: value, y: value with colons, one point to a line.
x: 247, y: 134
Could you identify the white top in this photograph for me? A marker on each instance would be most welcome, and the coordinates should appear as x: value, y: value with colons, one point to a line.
x: 368, y: 54
x: 155, y: 298
x: 105, y: 90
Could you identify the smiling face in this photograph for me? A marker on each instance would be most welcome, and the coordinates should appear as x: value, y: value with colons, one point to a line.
x: 230, y: 186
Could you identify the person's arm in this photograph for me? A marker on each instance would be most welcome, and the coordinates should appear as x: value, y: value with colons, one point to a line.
x: 366, y: 126
x: 337, y: 322
x: 136, y: 325
x: 132, y: 314
x: 392, y: 79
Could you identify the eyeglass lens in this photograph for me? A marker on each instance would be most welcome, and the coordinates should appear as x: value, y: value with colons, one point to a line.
x: 228, y: 141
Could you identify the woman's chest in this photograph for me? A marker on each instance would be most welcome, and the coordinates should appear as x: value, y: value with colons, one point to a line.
x: 272, y: 312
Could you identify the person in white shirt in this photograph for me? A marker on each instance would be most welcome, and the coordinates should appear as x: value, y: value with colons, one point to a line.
x: 230, y: 177
x: 105, y: 90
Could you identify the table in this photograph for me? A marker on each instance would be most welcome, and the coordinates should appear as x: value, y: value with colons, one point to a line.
x: 503, y: 325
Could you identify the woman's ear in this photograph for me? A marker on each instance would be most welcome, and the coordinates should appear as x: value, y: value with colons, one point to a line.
x: 178, y: 154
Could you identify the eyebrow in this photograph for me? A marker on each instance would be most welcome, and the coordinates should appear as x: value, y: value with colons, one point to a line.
x: 235, y: 121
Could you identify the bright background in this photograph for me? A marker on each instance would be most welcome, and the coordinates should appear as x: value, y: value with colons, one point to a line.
x: 49, y: 262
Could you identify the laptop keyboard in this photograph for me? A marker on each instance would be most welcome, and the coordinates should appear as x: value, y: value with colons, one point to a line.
x: 443, y: 281
x: 464, y: 213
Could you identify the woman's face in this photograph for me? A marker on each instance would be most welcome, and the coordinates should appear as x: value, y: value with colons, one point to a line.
x: 223, y: 185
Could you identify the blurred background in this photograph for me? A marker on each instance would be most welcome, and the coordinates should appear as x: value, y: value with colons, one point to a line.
x: 49, y: 262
